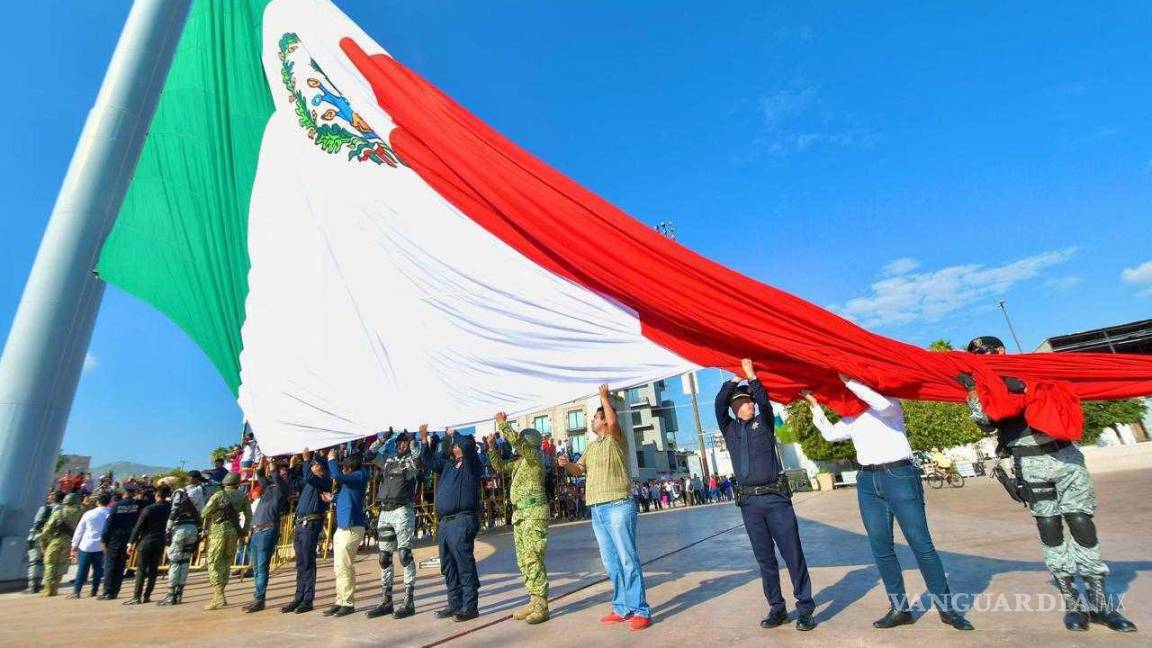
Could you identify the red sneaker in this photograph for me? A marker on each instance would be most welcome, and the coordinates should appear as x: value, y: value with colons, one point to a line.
x: 612, y: 618
x: 638, y: 623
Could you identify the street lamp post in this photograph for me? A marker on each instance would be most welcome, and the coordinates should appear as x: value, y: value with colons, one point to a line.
x: 1012, y: 330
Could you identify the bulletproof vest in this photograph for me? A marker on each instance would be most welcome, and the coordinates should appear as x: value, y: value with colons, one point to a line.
x: 395, y: 484
x: 183, y: 510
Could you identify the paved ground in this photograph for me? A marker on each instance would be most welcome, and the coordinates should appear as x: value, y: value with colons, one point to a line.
x: 702, y: 580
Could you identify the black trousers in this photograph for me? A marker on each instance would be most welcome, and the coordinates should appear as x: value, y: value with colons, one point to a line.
x: 305, y: 537
x: 115, y: 558
x: 770, y: 522
x: 148, y: 557
x: 458, y: 562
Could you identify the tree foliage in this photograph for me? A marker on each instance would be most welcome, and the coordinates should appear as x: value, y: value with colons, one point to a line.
x: 223, y: 452
x: 931, y: 424
x: 1101, y: 414
x: 814, y: 445
x: 941, y: 345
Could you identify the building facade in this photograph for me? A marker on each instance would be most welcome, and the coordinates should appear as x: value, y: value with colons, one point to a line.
x: 647, y: 419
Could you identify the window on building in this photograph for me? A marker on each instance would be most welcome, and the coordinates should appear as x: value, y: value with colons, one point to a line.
x: 672, y: 465
x: 542, y: 424
x: 636, y: 395
x: 577, y: 443
x: 576, y: 420
x: 640, y: 459
x: 637, y: 419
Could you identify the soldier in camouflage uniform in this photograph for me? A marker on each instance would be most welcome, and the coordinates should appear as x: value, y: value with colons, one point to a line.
x: 222, y: 512
x: 1051, y: 479
x: 400, y: 461
x: 183, y: 534
x: 35, y: 551
x: 530, y: 519
x: 56, y: 539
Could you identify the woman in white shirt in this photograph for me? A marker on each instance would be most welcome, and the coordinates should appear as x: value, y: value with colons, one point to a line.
x: 888, y: 487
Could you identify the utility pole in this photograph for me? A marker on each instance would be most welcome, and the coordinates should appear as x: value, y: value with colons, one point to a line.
x: 45, y: 351
x: 693, y: 388
x: 1004, y: 308
x: 668, y: 229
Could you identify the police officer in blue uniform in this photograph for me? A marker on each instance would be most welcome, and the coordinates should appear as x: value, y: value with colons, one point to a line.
x: 763, y: 496
x: 312, y: 484
x: 116, y: 537
x: 457, y: 512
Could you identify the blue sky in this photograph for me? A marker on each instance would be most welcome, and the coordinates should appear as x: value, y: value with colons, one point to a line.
x: 906, y: 166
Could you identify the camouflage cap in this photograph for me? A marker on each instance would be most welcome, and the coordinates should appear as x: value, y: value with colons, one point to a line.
x: 231, y: 479
x: 72, y: 499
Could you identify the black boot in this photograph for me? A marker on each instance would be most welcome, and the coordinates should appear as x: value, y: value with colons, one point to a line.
x: 408, y: 607
x: 444, y: 613
x: 893, y: 618
x: 1101, y: 609
x: 1075, y: 618
x: 385, y: 606
x: 171, y: 599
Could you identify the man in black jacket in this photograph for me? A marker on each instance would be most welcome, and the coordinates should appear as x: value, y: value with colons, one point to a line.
x: 148, y: 539
x: 762, y: 495
x: 457, y: 508
x: 117, y: 533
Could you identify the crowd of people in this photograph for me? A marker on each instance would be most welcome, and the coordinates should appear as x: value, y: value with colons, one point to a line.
x: 659, y: 494
x: 375, y: 486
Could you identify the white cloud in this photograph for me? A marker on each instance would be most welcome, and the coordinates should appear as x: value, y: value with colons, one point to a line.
x: 1141, y: 275
x: 788, y: 103
x: 90, y: 361
x: 933, y: 295
x: 1063, y: 283
x: 899, y: 267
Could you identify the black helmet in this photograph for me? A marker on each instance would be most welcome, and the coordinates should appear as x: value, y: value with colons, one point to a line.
x: 985, y: 344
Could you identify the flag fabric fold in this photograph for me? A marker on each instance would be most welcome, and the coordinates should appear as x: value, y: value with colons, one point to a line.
x: 404, y: 263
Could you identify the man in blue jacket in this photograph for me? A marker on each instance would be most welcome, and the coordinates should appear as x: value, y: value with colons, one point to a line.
x: 313, y: 487
x: 457, y: 510
x: 350, y: 520
x: 763, y: 496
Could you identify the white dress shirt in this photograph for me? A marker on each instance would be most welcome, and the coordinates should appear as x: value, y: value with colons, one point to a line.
x: 89, y: 528
x: 877, y: 433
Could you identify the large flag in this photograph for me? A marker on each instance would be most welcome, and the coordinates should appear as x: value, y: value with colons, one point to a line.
x: 353, y: 250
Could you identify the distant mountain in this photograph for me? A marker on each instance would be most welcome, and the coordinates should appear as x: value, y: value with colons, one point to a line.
x: 125, y: 468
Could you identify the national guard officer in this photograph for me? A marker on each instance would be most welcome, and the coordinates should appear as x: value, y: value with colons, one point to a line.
x: 1051, y: 479
x: 183, y: 534
x: 35, y: 552
x: 530, y: 516
x: 400, y: 462
x: 457, y: 512
x: 222, y: 513
x: 117, y: 533
x: 56, y: 540
x: 763, y: 496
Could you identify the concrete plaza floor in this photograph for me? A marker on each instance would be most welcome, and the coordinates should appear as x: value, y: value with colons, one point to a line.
x: 703, y: 586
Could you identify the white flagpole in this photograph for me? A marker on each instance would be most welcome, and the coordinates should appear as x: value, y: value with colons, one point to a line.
x: 45, y: 351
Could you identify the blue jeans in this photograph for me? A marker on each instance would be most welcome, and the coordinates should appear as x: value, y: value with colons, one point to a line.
x: 84, y: 561
x: 896, y: 493
x: 263, y: 545
x: 615, y: 526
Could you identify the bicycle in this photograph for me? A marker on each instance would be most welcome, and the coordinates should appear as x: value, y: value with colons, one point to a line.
x: 937, y: 476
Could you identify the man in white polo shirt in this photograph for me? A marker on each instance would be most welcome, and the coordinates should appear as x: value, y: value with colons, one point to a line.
x: 888, y: 486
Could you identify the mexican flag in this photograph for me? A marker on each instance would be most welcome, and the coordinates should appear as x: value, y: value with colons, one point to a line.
x: 354, y: 250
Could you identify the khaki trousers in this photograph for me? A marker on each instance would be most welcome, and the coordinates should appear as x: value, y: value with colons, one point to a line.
x: 345, y: 543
